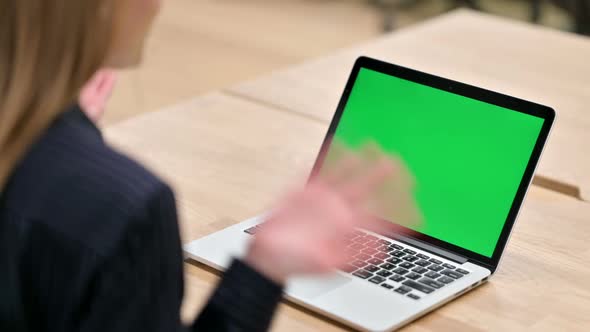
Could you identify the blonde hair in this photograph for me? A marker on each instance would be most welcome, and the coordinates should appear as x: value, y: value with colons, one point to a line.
x: 48, y: 50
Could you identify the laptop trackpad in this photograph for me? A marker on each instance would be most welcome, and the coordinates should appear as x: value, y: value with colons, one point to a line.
x: 311, y: 287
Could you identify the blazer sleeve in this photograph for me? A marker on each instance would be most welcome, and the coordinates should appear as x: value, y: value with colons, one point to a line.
x: 140, y: 288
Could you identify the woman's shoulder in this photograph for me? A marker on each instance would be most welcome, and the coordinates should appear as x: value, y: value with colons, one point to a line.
x: 110, y: 196
x: 74, y: 183
x: 82, y: 167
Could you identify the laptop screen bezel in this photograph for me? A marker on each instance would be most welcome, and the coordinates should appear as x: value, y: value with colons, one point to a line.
x: 469, y: 91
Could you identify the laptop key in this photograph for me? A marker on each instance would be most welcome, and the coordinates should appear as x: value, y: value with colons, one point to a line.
x: 432, y: 275
x: 359, y: 264
x: 414, y: 296
x: 371, y: 268
x: 418, y: 286
x: 394, y: 260
x: 435, y: 268
x: 400, y: 271
x: 423, y: 256
x: 413, y: 275
x: 406, y: 265
x: 369, y: 251
x: 377, y: 280
x: 357, y: 246
x: 462, y: 271
x: 422, y: 263
x: 384, y: 273
x: 396, y: 246
x: 411, y: 258
x: 403, y: 290
x: 375, y: 261
x: 398, y: 254
x: 409, y: 251
x: 449, y: 266
x: 435, y: 261
x: 397, y: 278
x: 452, y: 274
x: 361, y: 240
x: 384, y: 249
x: 420, y: 269
x: 382, y: 255
x: 387, y: 266
x: 385, y: 242
x: 445, y: 280
x: 373, y: 245
x: 431, y: 283
x: 388, y: 286
x: 362, y: 274
x: 362, y: 257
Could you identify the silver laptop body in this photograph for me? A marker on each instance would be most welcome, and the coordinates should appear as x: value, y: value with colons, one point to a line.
x: 357, y: 298
x: 340, y: 296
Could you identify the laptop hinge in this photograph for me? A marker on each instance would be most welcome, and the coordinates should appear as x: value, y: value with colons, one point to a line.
x: 430, y: 248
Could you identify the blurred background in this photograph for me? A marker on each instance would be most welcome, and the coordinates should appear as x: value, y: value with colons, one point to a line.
x: 199, y: 46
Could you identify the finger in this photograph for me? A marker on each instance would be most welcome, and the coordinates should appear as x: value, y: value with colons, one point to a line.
x: 343, y: 163
x: 398, y: 205
x: 339, y: 172
x: 398, y: 214
x: 371, y: 151
x: 366, y: 158
x: 359, y: 188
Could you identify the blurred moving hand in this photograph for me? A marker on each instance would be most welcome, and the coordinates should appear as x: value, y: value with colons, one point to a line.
x: 306, y: 232
x: 394, y: 199
x: 95, y: 95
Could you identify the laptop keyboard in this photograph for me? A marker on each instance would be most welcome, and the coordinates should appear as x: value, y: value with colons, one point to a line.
x: 395, y: 267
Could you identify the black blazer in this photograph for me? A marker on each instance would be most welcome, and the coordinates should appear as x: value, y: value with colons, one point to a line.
x: 97, y: 244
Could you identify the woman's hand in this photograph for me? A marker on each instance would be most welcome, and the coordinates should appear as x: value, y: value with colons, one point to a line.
x: 305, y: 234
x: 96, y: 93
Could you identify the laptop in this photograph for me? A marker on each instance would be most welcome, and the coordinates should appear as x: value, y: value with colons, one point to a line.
x: 472, y: 152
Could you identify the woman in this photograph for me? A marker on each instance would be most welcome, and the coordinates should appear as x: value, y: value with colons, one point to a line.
x: 89, y: 239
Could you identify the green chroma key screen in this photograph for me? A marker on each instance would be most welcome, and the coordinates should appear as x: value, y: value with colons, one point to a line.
x: 467, y: 157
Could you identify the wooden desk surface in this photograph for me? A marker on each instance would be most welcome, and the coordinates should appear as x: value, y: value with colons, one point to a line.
x: 228, y: 158
x: 530, y: 62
